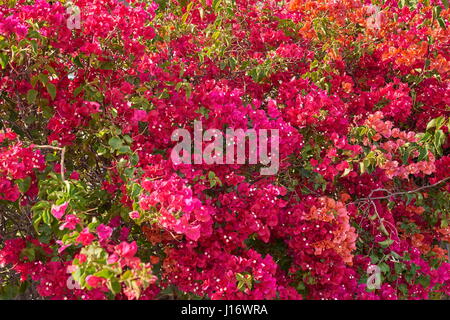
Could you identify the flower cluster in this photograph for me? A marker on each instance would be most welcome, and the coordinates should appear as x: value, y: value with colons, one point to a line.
x: 94, y: 208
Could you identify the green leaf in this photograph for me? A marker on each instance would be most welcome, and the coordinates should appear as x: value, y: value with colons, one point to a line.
x: 4, y: 60
x: 105, y: 273
x: 115, y: 143
x: 134, y: 159
x: 425, y: 137
x: 101, y: 150
x: 346, y: 172
x: 126, y: 275
x: 395, y: 255
x: 186, y: 14
x: 33, y: 34
x: 129, y: 172
x: 216, y: 4
x: 136, y: 190
x: 51, y: 89
x: 391, y: 205
x: 43, y: 78
x: 407, y: 154
x: 384, y: 267
x: 409, y: 198
x: 115, y: 286
x: 30, y: 253
x: 47, y: 217
x: 414, y: 268
x: 436, y: 11
x: 10, y: 292
x: 424, y: 281
x: 444, y: 223
x: 188, y: 89
x: 374, y: 259
x: 77, y: 276
x: 127, y: 139
x: 78, y: 90
x: 399, y: 267
x: 383, y: 229
x: 439, y: 138
x: 362, y: 167
x: 386, y: 243
x: 314, y: 64
x: 403, y: 288
x: 47, y: 111
x: 106, y: 65
x: 24, y: 184
x: 77, y: 62
x: 37, y: 219
x: 124, y: 150
x: 31, y: 96
x: 423, y: 154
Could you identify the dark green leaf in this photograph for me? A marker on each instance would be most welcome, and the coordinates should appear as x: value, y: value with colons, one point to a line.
x: 31, y: 96
x: 51, y: 89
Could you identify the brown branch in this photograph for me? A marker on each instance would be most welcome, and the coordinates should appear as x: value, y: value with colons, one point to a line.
x: 63, y: 153
x: 394, y: 194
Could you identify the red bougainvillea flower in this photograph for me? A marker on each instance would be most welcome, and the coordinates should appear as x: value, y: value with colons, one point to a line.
x: 85, y: 237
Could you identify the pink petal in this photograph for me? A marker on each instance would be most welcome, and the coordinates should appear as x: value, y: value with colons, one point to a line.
x: 58, y: 211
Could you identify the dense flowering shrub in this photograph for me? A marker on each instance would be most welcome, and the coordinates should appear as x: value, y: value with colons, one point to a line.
x: 92, y: 207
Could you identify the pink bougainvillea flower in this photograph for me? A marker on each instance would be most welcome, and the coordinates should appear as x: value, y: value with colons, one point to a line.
x: 74, y: 175
x: 193, y: 233
x: 81, y: 257
x: 95, y: 281
x: 62, y: 246
x: 70, y: 222
x: 114, y: 222
x: 113, y: 258
x: 104, y: 232
x: 59, y: 210
x: 134, y: 215
x: 126, y: 250
x: 124, y: 232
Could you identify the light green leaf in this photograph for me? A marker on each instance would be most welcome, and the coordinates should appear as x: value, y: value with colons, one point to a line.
x: 4, y: 60
x: 105, y: 273
x: 115, y: 143
x: 386, y: 243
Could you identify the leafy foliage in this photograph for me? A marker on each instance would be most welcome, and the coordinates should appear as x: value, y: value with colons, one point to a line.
x: 92, y: 207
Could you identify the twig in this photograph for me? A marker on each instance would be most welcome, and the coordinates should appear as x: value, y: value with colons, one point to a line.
x: 393, y: 194
x: 63, y: 153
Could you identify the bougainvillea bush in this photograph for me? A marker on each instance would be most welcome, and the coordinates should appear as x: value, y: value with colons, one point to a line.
x: 93, y: 207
